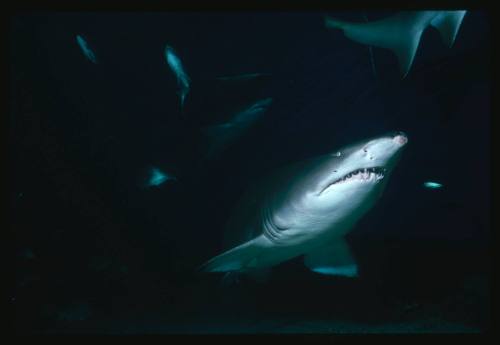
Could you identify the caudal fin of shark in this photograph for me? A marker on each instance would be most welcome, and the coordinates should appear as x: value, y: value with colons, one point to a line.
x: 332, y: 259
x: 401, y: 33
x: 448, y: 23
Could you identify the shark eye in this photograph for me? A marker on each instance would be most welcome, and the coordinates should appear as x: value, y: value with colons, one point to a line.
x: 365, y: 150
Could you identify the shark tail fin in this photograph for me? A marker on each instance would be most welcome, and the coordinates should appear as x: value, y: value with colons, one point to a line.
x: 402, y: 40
x: 236, y: 259
x: 448, y: 23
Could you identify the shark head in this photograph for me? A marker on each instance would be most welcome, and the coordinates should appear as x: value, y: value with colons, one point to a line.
x: 349, y: 179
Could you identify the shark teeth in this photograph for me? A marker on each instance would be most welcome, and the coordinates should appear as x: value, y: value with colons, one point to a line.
x: 375, y: 173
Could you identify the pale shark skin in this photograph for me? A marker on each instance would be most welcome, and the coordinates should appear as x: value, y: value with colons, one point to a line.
x: 308, y: 210
x: 401, y: 33
x: 183, y: 80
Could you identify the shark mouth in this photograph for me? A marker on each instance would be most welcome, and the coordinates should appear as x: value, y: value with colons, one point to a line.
x: 368, y: 174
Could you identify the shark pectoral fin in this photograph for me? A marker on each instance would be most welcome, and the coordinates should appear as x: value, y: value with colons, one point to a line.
x: 332, y: 259
x: 448, y: 23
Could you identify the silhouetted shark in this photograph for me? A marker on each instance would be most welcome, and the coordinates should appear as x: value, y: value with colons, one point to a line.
x: 401, y: 33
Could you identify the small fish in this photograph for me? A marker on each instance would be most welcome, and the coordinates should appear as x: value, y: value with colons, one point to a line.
x: 432, y: 185
x: 183, y: 80
x: 86, y: 50
x: 158, y: 177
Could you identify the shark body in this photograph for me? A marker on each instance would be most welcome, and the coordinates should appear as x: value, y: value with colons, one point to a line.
x: 401, y: 33
x: 308, y: 209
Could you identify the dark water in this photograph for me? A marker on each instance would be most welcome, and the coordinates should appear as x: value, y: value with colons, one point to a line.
x: 98, y: 252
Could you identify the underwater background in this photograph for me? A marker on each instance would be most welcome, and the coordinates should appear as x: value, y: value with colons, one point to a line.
x: 100, y: 248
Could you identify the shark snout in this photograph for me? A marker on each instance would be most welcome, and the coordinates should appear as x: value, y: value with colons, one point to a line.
x: 400, y: 138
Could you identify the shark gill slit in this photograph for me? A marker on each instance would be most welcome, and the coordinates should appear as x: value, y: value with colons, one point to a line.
x: 270, y: 231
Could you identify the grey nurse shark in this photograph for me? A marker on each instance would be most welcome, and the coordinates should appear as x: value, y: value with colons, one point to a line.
x: 307, y: 209
x: 401, y: 33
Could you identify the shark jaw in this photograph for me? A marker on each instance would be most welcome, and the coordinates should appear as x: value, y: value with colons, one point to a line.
x: 374, y: 174
x: 361, y: 166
